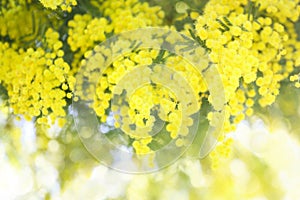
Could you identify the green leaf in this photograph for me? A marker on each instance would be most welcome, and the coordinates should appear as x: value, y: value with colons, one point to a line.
x: 3, y: 93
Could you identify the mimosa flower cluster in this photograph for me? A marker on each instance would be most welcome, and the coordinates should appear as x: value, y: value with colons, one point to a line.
x: 253, y: 44
x: 255, y: 48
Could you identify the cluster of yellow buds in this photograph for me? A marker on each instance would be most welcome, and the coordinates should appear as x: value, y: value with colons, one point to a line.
x: 253, y: 44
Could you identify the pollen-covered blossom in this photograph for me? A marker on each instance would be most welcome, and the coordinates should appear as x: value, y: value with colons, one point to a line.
x: 131, y: 14
x: 37, y: 81
x: 253, y: 45
x: 85, y: 31
x: 11, y: 19
x: 249, y: 47
x: 65, y: 5
x: 137, y: 117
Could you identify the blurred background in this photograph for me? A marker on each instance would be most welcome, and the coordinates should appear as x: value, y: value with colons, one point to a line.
x: 264, y: 163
